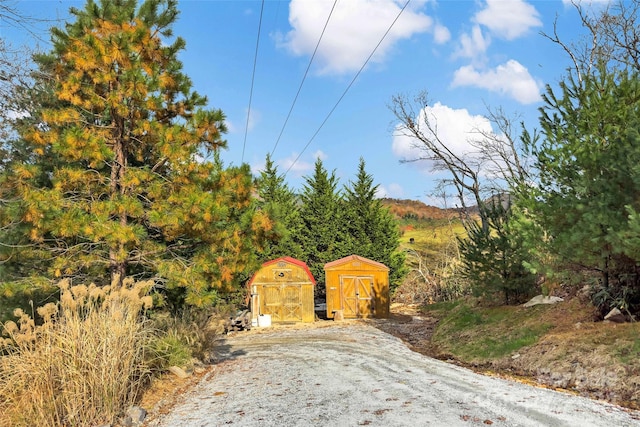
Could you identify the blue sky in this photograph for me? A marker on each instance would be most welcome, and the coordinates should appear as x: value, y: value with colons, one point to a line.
x: 466, y: 54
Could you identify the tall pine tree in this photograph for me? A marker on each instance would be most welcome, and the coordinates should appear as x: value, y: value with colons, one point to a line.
x: 494, y: 257
x: 130, y: 193
x: 369, y: 228
x: 588, y: 196
x: 321, y: 215
x: 277, y: 200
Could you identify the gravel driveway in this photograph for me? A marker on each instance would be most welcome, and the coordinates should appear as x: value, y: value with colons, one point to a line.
x: 350, y: 374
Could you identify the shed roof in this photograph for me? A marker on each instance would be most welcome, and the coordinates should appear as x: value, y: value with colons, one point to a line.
x: 354, y: 258
x: 290, y: 260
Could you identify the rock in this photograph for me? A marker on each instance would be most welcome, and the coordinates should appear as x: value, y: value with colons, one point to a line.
x: 178, y: 372
x: 542, y: 299
x: 134, y: 417
x: 615, y: 315
x: 338, y: 315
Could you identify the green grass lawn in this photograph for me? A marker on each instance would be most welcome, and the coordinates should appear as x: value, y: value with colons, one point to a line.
x: 477, y: 334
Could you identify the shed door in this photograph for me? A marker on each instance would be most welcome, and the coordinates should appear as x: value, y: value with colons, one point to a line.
x: 273, y: 302
x: 291, y: 303
x: 356, y: 295
x: 283, y: 302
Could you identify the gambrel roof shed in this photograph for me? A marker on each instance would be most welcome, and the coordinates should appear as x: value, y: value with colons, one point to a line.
x: 283, y: 288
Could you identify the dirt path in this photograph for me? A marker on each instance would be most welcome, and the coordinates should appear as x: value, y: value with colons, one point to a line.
x: 349, y: 374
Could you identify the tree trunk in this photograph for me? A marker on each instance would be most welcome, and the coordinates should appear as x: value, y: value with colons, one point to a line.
x: 118, y: 266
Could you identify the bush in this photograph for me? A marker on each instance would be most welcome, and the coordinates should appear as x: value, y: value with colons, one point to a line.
x: 169, y: 350
x: 84, y: 365
x: 494, y: 258
x: 188, y: 334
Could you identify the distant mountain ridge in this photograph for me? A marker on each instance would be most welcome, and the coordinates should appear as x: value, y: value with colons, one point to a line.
x: 414, y: 209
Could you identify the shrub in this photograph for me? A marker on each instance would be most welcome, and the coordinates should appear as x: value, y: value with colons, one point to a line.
x: 83, y: 365
x: 494, y: 258
x: 169, y: 350
x: 179, y: 337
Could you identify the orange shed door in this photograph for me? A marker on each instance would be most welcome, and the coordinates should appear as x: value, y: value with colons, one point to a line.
x: 356, y: 296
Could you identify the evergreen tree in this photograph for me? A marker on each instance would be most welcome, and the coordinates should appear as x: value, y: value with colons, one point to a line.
x: 493, y: 258
x: 22, y: 267
x: 369, y: 228
x: 320, y: 235
x: 277, y: 200
x: 589, y: 183
x: 128, y: 193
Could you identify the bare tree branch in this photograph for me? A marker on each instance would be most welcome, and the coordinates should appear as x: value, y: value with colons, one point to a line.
x: 494, y: 161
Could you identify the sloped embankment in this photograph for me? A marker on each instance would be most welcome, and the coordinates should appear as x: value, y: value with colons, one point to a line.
x: 559, y: 346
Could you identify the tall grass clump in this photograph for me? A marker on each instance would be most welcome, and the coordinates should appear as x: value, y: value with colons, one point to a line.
x: 83, y: 364
x: 186, y: 335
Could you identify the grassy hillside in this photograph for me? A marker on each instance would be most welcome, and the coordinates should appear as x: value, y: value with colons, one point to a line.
x: 425, y: 228
x: 429, y: 239
x: 559, y: 346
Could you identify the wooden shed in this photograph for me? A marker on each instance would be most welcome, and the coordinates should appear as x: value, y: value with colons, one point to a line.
x: 358, y: 286
x: 283, y: 288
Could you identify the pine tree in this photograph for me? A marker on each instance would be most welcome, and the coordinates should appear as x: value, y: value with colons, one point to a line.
x: 589, y: 183
x: 320, y: 235
x: 130, y: 193
x: 493, y: 257
x: 277, y: 200
x: 369, y: 228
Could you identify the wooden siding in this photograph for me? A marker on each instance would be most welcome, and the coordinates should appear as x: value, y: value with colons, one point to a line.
x: 357, y: 286
x: 283, y: 288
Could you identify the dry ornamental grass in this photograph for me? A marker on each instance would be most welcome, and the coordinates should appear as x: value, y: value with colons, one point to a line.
x: 83, y: 365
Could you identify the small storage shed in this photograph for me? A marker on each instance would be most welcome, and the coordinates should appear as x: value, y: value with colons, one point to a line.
x: 358, y: 286
x: 283, y: 288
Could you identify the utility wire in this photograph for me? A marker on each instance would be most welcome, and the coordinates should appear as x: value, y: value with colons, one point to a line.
x: 304, y: 77
x: 253, y: 76
x: 348, y: 87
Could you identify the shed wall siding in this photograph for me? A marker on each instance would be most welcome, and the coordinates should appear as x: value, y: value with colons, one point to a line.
x: 347, y: 288
x: 284, y: 291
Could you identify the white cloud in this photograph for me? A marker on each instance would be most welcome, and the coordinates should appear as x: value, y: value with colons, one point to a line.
x: 296, y: 167
x: 508, y: 19
x: 511, y: 79
x: 355, y: 28
x: 393, y: 190
x: 320, y: 155
x: 258, y: 166
x: 441, y: 34
x: 456, y: 128
x: 231, y: 126
x: 472, y: 44
x: 254, y: 118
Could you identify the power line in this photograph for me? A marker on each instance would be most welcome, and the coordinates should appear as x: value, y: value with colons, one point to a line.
x: 253, y: 76
x: 348, y: 87
x: 304, y: 77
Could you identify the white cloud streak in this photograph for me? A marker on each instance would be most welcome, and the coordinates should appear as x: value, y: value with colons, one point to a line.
x: 456, y: 129
x: 441, y: 34
x: 511, y: 79
x: 355, y: 28
x: 508, y: 19
x: 392, y: 190
x: 300, y: 167
x: 473, y: 44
